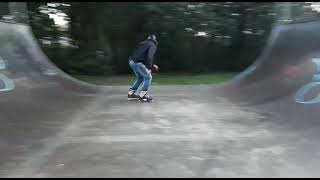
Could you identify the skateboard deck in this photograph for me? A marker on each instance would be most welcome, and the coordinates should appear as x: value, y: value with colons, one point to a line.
x: 137, y: 100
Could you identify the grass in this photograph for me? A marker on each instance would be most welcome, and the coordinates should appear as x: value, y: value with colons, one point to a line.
x: 160, y: 79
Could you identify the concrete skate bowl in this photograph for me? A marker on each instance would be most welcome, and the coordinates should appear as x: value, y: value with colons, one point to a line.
x: 32, y: 90
x: 264, y: 123
x: 289, y: 61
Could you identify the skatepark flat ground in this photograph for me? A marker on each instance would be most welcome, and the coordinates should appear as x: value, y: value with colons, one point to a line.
x: 185, y: 132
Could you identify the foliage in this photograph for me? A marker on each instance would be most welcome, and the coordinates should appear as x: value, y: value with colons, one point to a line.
x: 193, y: 36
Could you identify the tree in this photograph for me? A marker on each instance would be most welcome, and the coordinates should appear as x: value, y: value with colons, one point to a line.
x: 193, y: 36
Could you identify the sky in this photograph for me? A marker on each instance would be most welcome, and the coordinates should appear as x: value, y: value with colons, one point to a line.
x: 60, y: 19
x: 315, y: 6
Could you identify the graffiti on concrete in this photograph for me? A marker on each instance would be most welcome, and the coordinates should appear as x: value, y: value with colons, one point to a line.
x: 300, y: 95
x: 8, y: 84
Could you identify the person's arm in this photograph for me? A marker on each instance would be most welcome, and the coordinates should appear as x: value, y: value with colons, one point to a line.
x: 151, y: 52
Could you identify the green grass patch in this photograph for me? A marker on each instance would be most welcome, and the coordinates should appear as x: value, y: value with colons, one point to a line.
x: 160, y: 79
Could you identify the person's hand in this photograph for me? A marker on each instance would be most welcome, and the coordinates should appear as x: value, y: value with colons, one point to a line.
x: 156, y: 67
x: 150, y: 71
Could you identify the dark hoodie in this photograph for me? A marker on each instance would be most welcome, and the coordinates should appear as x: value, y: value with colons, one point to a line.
x: 145, y: 52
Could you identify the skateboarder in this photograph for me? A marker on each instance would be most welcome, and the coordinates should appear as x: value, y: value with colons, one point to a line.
x: 141, y: 62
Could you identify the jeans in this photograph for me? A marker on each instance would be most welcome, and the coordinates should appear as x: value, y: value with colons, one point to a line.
x: 142, y: 74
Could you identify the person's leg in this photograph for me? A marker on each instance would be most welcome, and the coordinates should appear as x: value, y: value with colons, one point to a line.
x: 136, y: 84
x: 139, y: 79
x: 147, y: 77
x: 147, y: 82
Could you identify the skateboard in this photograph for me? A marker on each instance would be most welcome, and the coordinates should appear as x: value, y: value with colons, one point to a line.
x: 138, y: 100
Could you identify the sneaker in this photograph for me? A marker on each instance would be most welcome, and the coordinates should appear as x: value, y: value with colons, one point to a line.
x: 133, y: 96
x: 146, y: 98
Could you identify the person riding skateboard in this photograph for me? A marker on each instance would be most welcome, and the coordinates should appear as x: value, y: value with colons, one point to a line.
x: 141, y: 62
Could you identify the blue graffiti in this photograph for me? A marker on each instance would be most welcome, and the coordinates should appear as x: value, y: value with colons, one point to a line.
x: 2, y: 64
x: 300, y: 95
x: 8, y: 83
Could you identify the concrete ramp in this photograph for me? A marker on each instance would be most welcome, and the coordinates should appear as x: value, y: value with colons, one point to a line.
x: 263, y: 124
x: 36, y: 98
x: 22, y: 57
x: 289, y: 61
